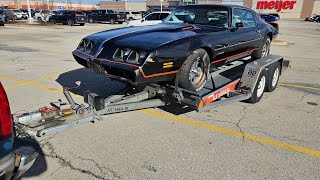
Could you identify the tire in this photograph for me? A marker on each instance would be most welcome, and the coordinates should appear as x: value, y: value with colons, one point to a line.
x: 194, y: 71
x: 263, y: 51
x: 112, y: 21
x: 130, y: 19
x: 90, y: 20
x: 1, y: 24
x: 39, y: 19
x: 82, y: 24
x: 259, y: 88
x: 120, y: 22
x: 70, y: 22
x: 273, y: 77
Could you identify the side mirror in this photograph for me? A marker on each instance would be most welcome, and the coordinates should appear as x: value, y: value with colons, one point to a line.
x: 239, y: 24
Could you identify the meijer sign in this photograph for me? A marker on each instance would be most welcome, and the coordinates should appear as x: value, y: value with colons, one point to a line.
x: 278, y: 5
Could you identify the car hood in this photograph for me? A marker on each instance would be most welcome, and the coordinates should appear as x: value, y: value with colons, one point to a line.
x: 147, y: 36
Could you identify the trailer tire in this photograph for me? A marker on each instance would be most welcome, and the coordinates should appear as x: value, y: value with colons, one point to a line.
x: 194, y: 71
x: 273, y: 77
x: 259, y: 88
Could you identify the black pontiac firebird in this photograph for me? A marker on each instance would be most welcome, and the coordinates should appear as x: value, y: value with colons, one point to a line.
x: 190, y: 42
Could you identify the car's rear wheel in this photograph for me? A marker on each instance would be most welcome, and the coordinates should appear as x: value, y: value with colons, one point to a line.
x: 39, y: 20
x: 130, y: 19
x: 82, y: 24
x: 262, y: 51
x: 120, y: 22
x: 194, y: 71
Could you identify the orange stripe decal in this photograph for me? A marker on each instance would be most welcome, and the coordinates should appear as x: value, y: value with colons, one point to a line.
x: 223, y: 59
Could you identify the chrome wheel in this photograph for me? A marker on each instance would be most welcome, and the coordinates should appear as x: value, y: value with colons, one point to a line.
x: 275, y: 77
x: 197, y: 73
x: 266, y: 48
x: 261, y: 86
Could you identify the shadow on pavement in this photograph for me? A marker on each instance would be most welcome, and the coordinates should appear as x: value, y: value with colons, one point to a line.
x: 90, y: 81
x: 105, y: 87
x: 40, y: 165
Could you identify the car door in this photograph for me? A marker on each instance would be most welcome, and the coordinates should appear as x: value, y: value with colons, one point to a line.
x: 243, y: 40
x: 58, y: 17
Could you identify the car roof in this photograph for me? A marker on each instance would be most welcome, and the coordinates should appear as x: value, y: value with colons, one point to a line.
x: 161, y: 12
x: 218, y: 5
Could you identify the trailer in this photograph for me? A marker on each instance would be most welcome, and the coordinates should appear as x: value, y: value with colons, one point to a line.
x: 242, y: 80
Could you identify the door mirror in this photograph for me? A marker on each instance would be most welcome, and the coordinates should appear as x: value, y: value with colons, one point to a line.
x: 239, y: 24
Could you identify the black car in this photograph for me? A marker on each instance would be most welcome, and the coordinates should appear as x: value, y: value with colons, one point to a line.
x: 271, y: 19
x: 191, y: 41
x: 313, y: 18
x: 106, y: 16
x: 9, y: 15
x: 69, y: 17
x: 2, y: 17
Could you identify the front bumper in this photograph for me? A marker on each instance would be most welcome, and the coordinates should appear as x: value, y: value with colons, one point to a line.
x: 131, y: 73
x: 18, y: 162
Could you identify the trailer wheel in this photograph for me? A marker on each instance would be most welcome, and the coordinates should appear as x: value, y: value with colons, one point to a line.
x: 259, y: 88
x: 273, y: 77
x: 194, y: 71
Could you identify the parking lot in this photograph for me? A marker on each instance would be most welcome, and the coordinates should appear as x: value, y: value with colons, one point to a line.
x: 277, y: 138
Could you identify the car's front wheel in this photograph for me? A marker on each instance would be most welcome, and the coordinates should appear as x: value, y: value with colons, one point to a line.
x: 262, y: 51
x: 70, y: 22
x: 112, y: 21
x: 194, y: 71
x: 90, y: 20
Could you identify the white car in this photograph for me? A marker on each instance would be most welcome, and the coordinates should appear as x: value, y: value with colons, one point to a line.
x: 151, y: 19
x: 131, y: 15
x: 19, y: 14
x: 43, y: 15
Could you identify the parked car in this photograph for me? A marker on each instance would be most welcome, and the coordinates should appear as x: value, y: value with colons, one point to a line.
x: 18, y: 14
x: 271, y: 20
x: 144, y: 13
x: 9, y: 15
x: 43, y: 15
x: 313, y: 18
x: 33, y: 11
x: 106, y: 16
x: 131, y: 15
x: 150, y: 19
x: 69, y: 17
x: 2, y: 17
x: 192, y: 40
x: 15, y: 160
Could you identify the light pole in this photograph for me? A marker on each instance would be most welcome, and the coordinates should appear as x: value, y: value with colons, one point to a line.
x: 30, y: 20
x: 161, y: 1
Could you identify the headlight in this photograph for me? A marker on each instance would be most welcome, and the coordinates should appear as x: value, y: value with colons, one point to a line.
x: 129, y: 56
x: 86, y: 45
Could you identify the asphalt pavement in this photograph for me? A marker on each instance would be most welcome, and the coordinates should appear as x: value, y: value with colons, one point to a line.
x: 277, y: 138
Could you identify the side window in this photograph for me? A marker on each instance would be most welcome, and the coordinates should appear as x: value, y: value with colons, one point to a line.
x: 152, y: 17
x: 244, y: 16
x: 163, y: 16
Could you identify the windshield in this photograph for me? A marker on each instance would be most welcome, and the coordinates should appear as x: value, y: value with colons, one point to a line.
x: 17, y: 11
x: 213, y: 16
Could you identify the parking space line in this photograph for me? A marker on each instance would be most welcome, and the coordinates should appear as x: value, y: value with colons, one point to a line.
x: 298, y: 86
x: 210, y: 127
x: 23, y: 83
